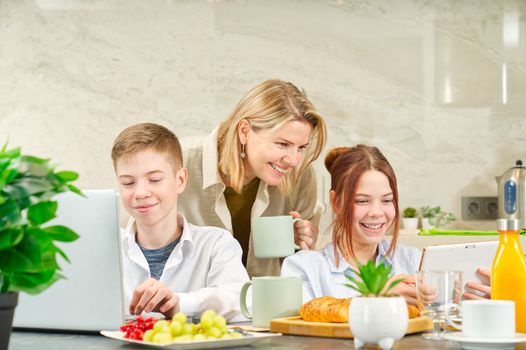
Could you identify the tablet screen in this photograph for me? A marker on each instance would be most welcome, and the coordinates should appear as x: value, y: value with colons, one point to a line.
x: 465, y: 257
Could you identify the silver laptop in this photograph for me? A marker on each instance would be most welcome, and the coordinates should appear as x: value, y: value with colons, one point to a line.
x: 91, y: 297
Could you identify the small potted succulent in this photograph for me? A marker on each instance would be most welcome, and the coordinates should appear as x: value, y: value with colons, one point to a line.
x: 410, y: 218
x: 28, y: 254
x: 377, y: 316
x: 435, y: 217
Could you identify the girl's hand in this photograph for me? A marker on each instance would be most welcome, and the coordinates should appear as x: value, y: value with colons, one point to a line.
x: 484, y: 287
x: 305, y: 232
x: 406, y: 288
x: 153, y: 295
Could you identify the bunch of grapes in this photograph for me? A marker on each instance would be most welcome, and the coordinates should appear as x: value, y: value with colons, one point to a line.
x: 212, y: 326
x: 135, y: 329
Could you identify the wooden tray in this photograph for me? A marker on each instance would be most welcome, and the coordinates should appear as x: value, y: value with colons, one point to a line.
x: 296, y: 326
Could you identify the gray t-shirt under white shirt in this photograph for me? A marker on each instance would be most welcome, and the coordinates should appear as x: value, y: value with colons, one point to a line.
x: 157, y: 258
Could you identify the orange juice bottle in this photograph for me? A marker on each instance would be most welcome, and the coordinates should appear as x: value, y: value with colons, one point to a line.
x: 508, y: 275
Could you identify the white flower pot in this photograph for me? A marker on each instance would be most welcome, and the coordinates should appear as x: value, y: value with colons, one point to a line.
x: 378, y: 320
x: 410, y: 223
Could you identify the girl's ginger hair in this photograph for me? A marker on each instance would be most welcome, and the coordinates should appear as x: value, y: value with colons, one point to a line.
x: 346, y: 165
x: 269, y: 105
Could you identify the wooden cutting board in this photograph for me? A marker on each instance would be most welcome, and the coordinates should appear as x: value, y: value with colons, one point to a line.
x: 296, y: 326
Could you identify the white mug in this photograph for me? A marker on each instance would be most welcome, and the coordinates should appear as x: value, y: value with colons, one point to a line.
x: 273, y: 236
x: 486, y: 319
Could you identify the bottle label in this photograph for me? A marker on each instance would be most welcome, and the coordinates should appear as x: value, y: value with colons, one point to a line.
x: 510, y: 197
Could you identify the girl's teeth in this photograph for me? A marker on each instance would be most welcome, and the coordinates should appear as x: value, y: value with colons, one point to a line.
x: 373, y: 226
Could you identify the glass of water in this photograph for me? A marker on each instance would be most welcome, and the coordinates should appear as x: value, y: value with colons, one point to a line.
x: 438, y: 293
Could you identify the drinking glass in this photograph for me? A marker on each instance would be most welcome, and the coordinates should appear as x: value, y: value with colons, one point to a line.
x: 438, y: 294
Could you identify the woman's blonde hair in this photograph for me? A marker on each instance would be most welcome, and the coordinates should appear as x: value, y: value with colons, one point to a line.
x: 269, y: 106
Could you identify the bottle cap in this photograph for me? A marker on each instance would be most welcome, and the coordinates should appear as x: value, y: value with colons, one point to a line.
x: 507, y: 224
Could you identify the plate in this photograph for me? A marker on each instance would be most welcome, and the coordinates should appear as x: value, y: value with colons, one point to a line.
x: 249, y: 338
x: 486, y: 343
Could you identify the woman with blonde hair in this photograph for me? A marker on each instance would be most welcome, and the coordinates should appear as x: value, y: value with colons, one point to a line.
x: 364, y: 200
x: 257, y: 162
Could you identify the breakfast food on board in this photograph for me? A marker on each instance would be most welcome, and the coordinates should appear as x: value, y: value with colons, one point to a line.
x: 212, y: 326
x: 329, y: 309
x: 325, y: 309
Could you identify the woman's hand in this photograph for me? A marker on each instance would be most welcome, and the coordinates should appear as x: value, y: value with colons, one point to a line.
x: 305, y: 232
x: 406, y: 288
x: 484, y: 288
x: 153, y: 295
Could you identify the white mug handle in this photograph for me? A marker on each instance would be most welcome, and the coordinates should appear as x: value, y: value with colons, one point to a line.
x: 243, y: 300
x: 296, y: 247
x: 449, y: 321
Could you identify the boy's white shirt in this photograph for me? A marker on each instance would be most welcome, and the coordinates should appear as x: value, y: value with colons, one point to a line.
x: 204, y: 269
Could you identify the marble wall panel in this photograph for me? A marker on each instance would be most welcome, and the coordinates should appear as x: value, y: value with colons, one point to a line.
x: 439, y: 86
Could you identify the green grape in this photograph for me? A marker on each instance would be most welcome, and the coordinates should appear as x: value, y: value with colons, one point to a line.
x: 206, y: 321
x: 214, y: 332
x: 176, y: 327
x: 209, y: 313
x: 235, y: 335
x: 160, y: 324
x: 188, y: 329
x: 180, y: 317
x: 148, y: 335
x: 220, y: 322
x: 185, y: 337
x: 200, y: 336
x: 196, y: 328
x: 166, y: 329
x: 162, y: 338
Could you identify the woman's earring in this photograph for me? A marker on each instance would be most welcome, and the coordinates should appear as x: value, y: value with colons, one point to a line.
x: 243, y: 154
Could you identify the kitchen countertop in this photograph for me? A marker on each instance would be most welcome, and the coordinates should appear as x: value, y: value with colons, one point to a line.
x: 50, y: 341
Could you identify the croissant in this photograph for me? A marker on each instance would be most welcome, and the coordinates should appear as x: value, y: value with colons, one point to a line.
x: 326, y: 309
x: 329, y: 309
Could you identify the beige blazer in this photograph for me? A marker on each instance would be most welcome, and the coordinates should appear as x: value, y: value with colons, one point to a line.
x: 203, y: 202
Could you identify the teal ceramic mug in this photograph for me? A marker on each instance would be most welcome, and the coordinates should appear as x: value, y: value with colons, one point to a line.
x: 272, y: 297
x: 273, y: 236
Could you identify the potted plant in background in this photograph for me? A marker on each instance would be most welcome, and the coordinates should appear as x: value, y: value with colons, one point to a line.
x: 27, y: 251
x: 435, y: 217
x: 427, y: 214
x: 376, y: 316
x: 410, y: 218
x: 442, y: 218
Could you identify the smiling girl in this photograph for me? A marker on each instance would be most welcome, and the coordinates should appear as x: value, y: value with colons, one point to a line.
x: 364, y: 200
x: 257, y: 163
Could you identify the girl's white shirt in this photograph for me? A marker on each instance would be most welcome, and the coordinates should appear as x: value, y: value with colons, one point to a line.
x: 321, y: 276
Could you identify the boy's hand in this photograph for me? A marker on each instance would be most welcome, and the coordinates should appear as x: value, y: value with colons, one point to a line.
x: 484, y: 287
x: 154, y: 296
x: 305, y: 232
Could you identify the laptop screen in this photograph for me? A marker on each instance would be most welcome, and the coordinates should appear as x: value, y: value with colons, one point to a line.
x: 90, y: 298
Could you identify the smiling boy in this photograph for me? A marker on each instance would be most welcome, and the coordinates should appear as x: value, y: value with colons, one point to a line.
x: 169, y: 265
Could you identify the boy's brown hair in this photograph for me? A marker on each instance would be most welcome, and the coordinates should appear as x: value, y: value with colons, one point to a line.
x: 145, y: 136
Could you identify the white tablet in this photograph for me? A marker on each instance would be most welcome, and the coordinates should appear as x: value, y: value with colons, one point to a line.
x: 465, y: 257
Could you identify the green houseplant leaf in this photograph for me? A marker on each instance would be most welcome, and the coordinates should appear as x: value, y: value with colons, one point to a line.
x: 28, y: 255
x: 371, y: 279
x: 409, y: 212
